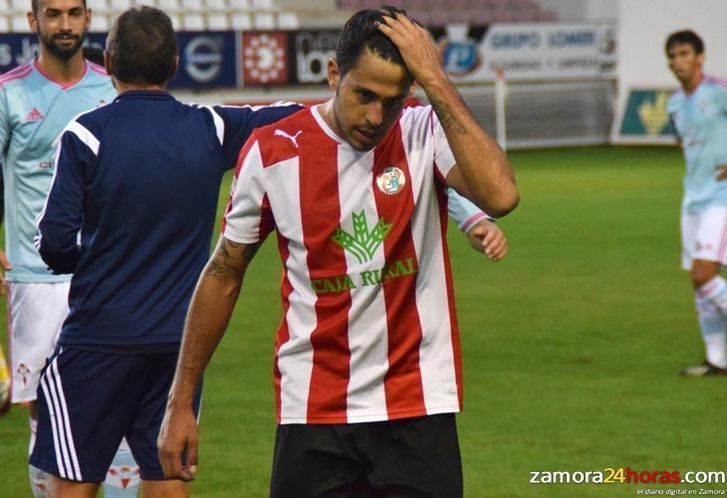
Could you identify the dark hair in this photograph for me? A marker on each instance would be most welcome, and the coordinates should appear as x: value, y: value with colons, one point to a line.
x: 35, y: 5
x: 142, y: 46
x: 361, y: 32
x: 686, y: 36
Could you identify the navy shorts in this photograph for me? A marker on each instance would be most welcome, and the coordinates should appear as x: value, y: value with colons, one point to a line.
x: 407, y: 458
x: 89, y: 400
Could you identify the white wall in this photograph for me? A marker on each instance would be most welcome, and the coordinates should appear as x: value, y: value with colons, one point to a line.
x: 582, y: 10
x: 568, y: 10
x: 643, y: 26
x: 601, y: 10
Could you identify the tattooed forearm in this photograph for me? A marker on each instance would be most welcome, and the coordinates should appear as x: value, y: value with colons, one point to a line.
x: 223, y: 261
x: 446, y: 117
x: 249, y: 252
x: 231, y: 258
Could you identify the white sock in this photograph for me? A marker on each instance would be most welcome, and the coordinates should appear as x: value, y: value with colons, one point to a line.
x: 716, y: 350
x: 122, y: 479
x: 39, y: 482
x: 711, y: 299
x: 39, y: 479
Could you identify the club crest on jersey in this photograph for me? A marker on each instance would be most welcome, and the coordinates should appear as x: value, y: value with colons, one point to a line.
x: 391, y: 180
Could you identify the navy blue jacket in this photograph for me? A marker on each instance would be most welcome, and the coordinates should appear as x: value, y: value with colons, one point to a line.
x: 139, y: 179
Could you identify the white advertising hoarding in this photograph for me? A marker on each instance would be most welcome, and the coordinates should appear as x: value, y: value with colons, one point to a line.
x: 540, y: 52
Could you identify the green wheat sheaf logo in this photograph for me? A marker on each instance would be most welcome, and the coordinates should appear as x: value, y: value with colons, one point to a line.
x: 363, y: 243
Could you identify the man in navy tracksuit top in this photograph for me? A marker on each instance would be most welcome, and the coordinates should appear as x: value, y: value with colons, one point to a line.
x: 130, y: 214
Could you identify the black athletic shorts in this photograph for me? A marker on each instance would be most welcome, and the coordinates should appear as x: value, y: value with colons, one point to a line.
x: 415, y: 457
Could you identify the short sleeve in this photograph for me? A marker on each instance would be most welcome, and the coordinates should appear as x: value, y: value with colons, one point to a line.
x: 248, y: 218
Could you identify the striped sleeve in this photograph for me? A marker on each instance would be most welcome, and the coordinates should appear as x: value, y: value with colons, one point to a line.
x: 60, y: 220
x: 248, y: 218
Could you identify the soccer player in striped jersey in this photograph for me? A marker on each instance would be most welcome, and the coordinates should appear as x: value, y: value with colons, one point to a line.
x: 37, y: 100
x: 698, y: 112
x: 367, y: 357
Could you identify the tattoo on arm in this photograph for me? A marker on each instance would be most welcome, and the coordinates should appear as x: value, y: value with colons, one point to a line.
x: 228, y: 260
x: 249, y: 252
x: 447, y: 118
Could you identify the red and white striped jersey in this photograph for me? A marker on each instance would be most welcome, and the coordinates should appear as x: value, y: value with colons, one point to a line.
x: 369, y: 331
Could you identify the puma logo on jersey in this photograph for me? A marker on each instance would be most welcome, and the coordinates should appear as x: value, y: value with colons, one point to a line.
x: 34, y: 115
x: 292, y: 138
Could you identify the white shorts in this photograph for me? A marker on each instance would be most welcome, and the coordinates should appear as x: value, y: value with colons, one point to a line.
x: 35, y: 315
x: 704, y: 236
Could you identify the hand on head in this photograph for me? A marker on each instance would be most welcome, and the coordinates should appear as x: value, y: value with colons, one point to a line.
x: 421, y: 55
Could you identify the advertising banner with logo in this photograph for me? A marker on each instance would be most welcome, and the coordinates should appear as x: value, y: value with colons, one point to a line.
x: 17, y: 49
x: 206, y: 60
x: 644, y: 118
x: 311, y: 51
x: 265, y: 58
x: 534, y: 52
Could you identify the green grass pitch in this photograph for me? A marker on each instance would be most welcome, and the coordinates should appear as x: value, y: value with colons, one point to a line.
x: 571, y: 345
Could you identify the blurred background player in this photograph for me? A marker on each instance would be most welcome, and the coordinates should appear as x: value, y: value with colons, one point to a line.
x: 699, y: 114
x: 367, y: 364
x: 37, y: 100
x: 139, y: 178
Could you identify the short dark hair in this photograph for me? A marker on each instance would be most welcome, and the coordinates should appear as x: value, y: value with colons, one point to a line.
x: 686, y: 36
x: 361, y: 32
x: 35, y: 5
x: 142, y: 46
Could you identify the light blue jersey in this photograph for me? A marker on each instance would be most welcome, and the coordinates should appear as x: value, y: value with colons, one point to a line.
x: 34, y: 110
x: 700, y: 120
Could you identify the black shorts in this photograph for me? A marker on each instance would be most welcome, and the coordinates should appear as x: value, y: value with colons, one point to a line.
x: 415, y: 457
x: 89, y: 400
